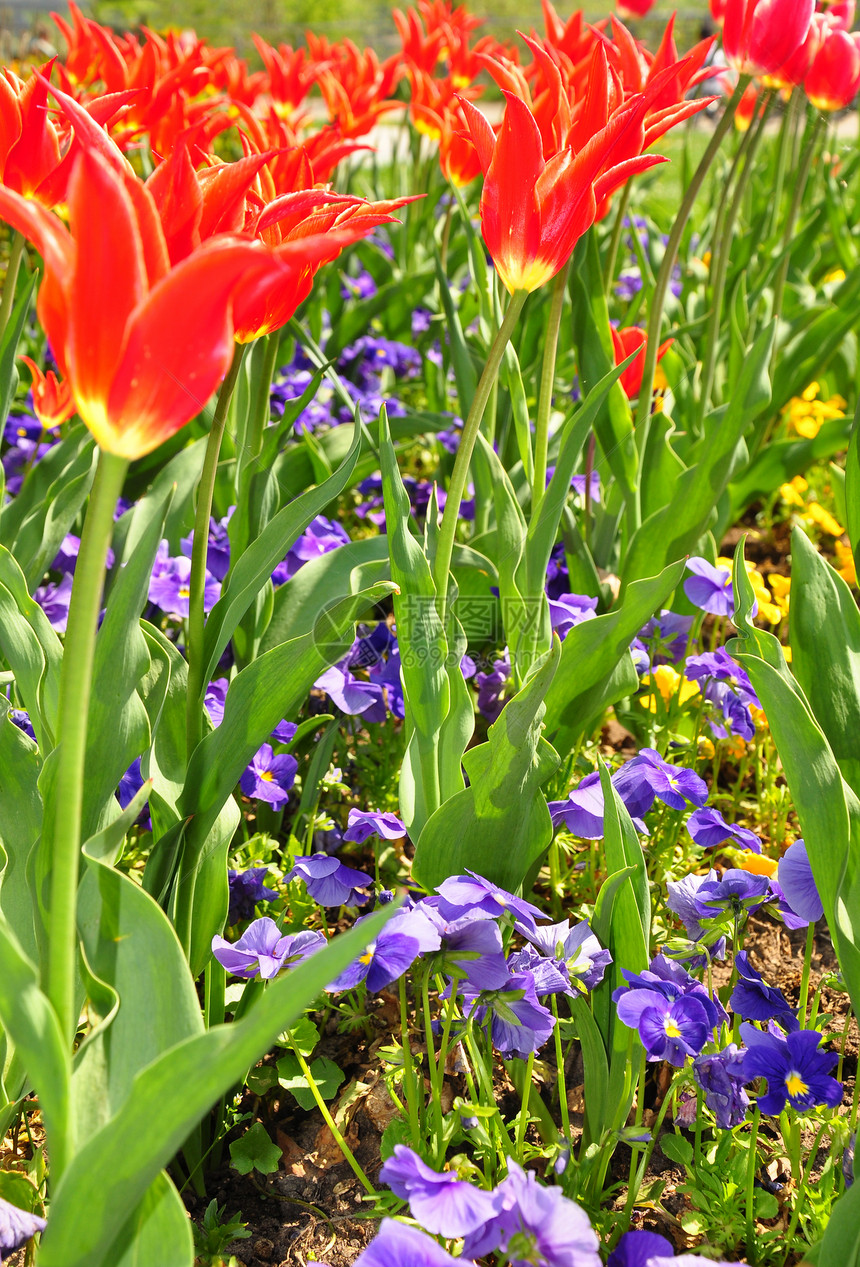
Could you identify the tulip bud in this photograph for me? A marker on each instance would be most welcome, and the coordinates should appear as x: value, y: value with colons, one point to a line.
x: 759, y: 36
x: 834, y: 75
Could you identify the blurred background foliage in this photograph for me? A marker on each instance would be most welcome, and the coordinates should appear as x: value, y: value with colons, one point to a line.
x: 366, y: 22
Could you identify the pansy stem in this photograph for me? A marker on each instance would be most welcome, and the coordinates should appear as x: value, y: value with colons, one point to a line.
x: 547, y: 381
x: 804, y: 975
x: 409, y: 1068
x: 433, y: 1068
x: 561, y: 1079
x: 460, y: 473
x: 331, y: 1124
x: 199, y: 550
x: 751, y: 1175
x: 74, y: 701
x: 523, y: 1120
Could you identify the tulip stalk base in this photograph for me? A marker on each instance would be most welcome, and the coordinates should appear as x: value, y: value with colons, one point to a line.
x: 457, y: 484
x: 74, y: 700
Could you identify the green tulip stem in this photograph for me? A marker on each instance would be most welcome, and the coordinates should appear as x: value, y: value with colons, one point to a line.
x: 547, y: 381
x: 76, y: 677
x: 722, y: 253
x: 7, y: 303
x: 670, y: 255
x: 460, y: 473
x: 199, y: 549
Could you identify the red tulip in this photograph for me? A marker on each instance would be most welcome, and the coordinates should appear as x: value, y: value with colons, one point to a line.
x: 633, y: 8
x: 142, y: 344
x: 841, y: 15
x: 626, y: 341
x: 306, y: 229
x: 536, y: 205
x: 746, y: 107
x: 795, y: 70
x: 759, y: 36
x: 834, y: 76
x: 53, y: 402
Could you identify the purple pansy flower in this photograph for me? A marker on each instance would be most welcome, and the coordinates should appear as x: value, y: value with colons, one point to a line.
x: 21, y: 718
x: 519, y: 1024
x: 721, y: 1077
x: 269, y: 777
x: 799, y: 890
x: 320, y: 537
x: 365, y: 823
x: 582, y: 812
x: 665, y: 637
x: 17, y: 1226
x: 736, y: 890
x: 569, y: 610
x: 754, y: 1000
x: 491, y: 686
x: 648, y: 777
x: 442, y: 1203
x: 548, y: 975
x: 246, y: 889
x: 708, y: 828
x: 215, y: 698
x: 398, y: 1245
x: 169, y: 585
x: 329, y: 882
x: 709, y: 588
x: 472, y: 948
x: 576, y: 948
x: 670, y: 1029
x: 285, y: 731
x: 472, y: 893
x: 67, y: 555
x: 636, y: 1249
x: 263, y: 950
x: 395, y: 950
x: 535, y: 1225
x: 54, y: 601
x: 129, y: 786
x: 682, y: 899
x: 672, y: 980
x: 352, y: 695
x: 217, y: 546
x: 797, y: 1071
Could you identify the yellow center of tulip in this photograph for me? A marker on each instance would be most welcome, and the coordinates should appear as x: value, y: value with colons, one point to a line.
x: 794, y: 1084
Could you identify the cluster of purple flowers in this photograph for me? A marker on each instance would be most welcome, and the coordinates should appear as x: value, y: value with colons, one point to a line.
x: 365, y: 367
x: 640, y: 782
x: 458, y: 932
x: 366, y: 682
x: 677, y: 1018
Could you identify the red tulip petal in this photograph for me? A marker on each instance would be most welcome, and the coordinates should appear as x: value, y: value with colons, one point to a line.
x: 109, y: 279
x: 179, y: 200
x: 510, y: 216
x: 483, y: 136
x: 178, y: 347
